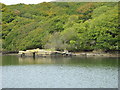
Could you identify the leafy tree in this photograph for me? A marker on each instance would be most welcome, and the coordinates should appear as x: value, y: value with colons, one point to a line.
x: 74, y: 26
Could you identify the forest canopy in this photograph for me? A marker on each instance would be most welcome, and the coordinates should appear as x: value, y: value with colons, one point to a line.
x: 72, y: 26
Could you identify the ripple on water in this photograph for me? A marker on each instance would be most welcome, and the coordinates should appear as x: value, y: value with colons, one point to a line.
x: 57, y: 76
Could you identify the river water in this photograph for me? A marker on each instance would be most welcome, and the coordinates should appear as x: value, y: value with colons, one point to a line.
x: 59, y: 72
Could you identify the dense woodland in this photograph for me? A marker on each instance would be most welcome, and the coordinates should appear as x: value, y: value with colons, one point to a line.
x: 74, y: 26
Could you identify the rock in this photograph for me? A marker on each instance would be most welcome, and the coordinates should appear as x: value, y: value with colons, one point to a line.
x: 98, y: 51
x: 43, y: 53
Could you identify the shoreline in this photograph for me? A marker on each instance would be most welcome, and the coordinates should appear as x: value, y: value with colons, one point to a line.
x: 76, y: 54
x: 91, y: 54
x: 9, y: 52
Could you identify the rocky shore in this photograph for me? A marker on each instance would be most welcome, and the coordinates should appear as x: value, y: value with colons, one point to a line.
x: 44, y: 53
x: 91, y: 54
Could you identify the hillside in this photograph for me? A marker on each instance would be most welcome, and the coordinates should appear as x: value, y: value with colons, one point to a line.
x: 74, y: 26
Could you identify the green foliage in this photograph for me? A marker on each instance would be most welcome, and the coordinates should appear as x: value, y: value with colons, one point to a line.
x: 100, y: 10
x: 73, y: 26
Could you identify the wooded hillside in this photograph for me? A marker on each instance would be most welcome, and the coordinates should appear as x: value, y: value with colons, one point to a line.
x: 74, y: 26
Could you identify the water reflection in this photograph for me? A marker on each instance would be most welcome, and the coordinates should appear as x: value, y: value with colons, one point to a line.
x: 82, y: 61
x: 59, y: 72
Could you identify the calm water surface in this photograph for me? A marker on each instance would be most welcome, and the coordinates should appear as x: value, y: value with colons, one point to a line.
x: 59, y: 72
